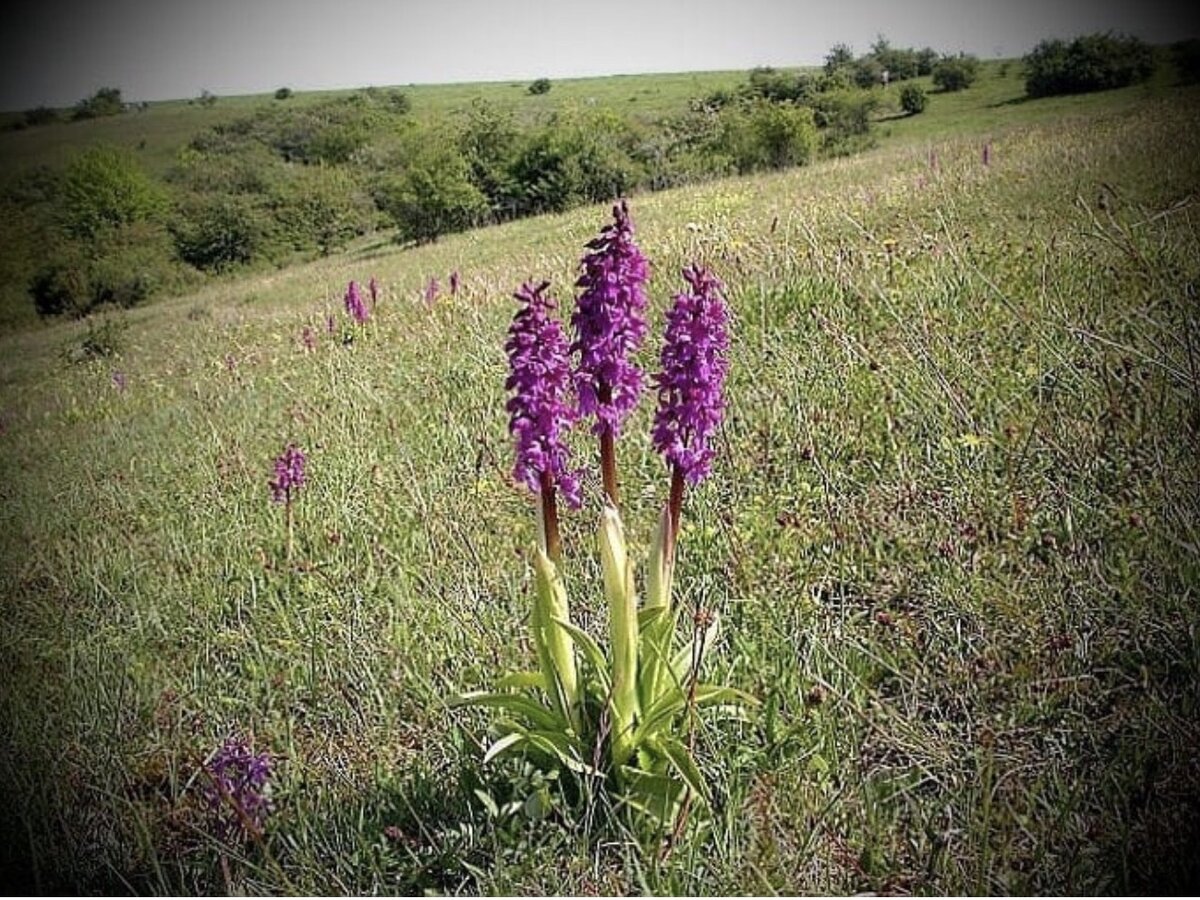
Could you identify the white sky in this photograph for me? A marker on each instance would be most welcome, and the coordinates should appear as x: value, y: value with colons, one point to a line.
x: 57, y: 51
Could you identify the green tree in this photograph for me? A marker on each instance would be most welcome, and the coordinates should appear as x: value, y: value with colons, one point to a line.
x: 840, y: 56
x: 105, y: 102
x: 955, y: 73
x: 104, y: 187
x: 913, y: 99
x: 433, y: 196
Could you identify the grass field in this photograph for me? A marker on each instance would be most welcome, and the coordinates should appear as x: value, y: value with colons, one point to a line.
x: 951, y: 533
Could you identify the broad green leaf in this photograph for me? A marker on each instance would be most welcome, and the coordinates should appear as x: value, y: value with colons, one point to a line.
x: 505, y: 743
x: 517, y: 704
x: 653, y: 794
x: 591, y: 651
x: 515, y: 681
x: 681, y: 760
x: 622, y: 620
x: 556, y: 652
x: 486, y: 799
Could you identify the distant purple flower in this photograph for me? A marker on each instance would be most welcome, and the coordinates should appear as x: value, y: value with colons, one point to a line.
x: 540, y: 376
x: 610, y: 324
x: 308, y: 338
x: 373, y: 288
x: 987, y: 153
x: 238, y: 789
x: 691, y: 400
x: 230, y: 362
x: 454, y: 283
x: 431, y: 291
x: 330, y: 323
x: 120, y: 381
x: 355, y: 307
x: 289, y: 474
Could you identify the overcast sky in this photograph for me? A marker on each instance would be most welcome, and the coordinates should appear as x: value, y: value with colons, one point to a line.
x: 56, y: 52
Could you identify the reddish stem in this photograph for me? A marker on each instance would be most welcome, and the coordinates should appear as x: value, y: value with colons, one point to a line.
x: 608, y: 452
x: 675, y: 505
x: 553, y: 542
x: 608, y: 466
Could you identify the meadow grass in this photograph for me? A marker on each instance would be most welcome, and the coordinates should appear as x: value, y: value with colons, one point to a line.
x: 951, y: 533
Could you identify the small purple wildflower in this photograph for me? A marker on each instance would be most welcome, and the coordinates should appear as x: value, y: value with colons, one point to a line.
x: 987, y: 153
x: 330, y: 323
x: 431, y: 291
x: 238, y: 789
x: 454, y: 283
x: 540, y: 376
x: 289, y: 474
x: 308, y: 338
x: 355, y: 307
x: 230, y: 362
x: 610, y: 324
x: 120, y: 381
x: 373, y: 288
x: 691, y: 400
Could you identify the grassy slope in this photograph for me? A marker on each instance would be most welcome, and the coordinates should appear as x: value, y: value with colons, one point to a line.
x: 157, y: 133
x: 951, y: 533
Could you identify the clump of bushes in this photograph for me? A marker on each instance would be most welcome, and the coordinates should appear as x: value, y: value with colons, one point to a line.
x: 122, y: 266
x: 1095, y: 62
x: 105, y: 188
x: 955, y: 73
x: 105, y: 102
x: 539, y: 86
x: 283, y: 93
x: 913, y: 99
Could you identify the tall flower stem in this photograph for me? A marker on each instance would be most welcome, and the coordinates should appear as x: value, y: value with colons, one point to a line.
x: 675, y: 505
x: 291, y: 527
x: 548, y: 515
x: 608, y: 467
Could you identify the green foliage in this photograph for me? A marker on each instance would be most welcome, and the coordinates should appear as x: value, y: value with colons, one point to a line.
x: 105, y: 102
x: 955, y: 73
x: 434, y: 195
x: 844, y: 118
x: 867, y: 72
x: 283, y: 93
x: 104, y: 338
x: 899, y: 62
x: 913, y: 99
x: 539, y: 86
x: 122, y: 266
x: 770, y: 84
x: 926, y: 58
x: 217, y: 232
x: 840, y: 56
x: 488, y: 141
x: 322, y: 208
x: 576, y: 157
x: 773, y: 136
x: 619, y: 719
x: 104, y: 187
x: 1095, y: 62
